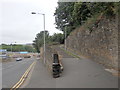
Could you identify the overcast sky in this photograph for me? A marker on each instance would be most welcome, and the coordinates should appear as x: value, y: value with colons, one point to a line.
x: 19, y: 25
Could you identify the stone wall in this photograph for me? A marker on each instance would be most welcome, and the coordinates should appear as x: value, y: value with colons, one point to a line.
x: 49, y: 51
x: 100, y: 45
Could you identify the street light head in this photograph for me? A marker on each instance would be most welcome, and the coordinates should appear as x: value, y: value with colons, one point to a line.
x: 33, y: 12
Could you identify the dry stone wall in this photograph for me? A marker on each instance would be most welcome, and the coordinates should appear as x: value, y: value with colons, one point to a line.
x: 100, y: 45
x: 49, y: 51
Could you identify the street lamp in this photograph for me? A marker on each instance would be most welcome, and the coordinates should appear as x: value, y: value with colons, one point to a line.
x: 44, y: 30
x: 65, y: 33
x: 65, y: 40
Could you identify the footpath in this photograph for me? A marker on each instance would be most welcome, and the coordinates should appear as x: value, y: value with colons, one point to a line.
x: 78, y: 73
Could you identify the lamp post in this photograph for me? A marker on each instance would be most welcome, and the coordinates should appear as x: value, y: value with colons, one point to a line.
x: 65, y: 38
x: 44, y: 30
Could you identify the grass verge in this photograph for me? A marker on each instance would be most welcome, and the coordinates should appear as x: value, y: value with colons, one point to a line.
x: 71, y: 54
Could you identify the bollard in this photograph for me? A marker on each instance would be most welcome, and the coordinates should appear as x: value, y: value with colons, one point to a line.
x: 56, y: 66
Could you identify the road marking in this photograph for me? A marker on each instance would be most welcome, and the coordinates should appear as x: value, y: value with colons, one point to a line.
x: 28, y: 78
x: 22, y: 79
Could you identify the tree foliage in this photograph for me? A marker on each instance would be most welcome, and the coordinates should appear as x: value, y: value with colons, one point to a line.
x: 69, y: 15
x: 39, y: 39
x: 63, y: 15
x: 57, y: 37
x: 18, y: 48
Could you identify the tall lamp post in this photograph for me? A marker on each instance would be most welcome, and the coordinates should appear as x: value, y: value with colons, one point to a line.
x: 65, y: 38
x: 44, y: 30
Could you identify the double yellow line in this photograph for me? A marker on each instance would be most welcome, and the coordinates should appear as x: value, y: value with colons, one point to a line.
x: 22, y: 79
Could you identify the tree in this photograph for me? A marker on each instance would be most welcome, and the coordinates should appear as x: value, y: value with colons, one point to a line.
x: 39, y: 40
x: 57, y: 37
x: 81, y: 13
x: 63, y: 15
x: 18, y: 48
x: 69, y: 15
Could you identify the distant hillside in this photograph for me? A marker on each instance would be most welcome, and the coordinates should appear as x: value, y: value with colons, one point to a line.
x: 18, y: 47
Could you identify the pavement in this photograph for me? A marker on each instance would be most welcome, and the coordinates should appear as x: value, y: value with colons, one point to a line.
x: 13, y: 71
x: 78, y: 73
x: 0, y: 75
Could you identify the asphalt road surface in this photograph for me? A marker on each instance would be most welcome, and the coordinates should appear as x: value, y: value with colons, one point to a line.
x: 78, y: 73
x: 13, y: 71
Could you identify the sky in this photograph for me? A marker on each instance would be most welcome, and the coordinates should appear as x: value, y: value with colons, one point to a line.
x: 17, y: 24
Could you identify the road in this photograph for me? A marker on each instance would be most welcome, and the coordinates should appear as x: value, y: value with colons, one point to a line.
x: 12, y: 71
x: 78, y: 73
